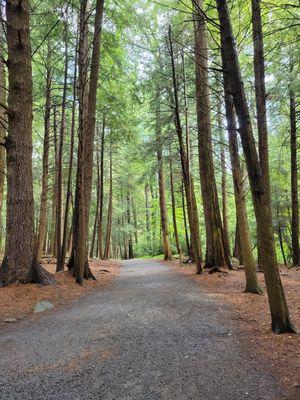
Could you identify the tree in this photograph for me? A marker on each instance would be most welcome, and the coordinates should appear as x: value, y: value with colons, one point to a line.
x: 279, y: 310
x: 19, y: 263
x: 216, y: 251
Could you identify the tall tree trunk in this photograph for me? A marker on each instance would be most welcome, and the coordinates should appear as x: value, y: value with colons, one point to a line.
x: 148, y: 215
x: 135, y: 224
x: 66, y: 229
x: 19, y: 262
x: 97, y: 203
x: 54, y: 191
x: 294, y: 181
x: 44, y: 194
x: 87, y: 108
x: 279, y: 311
x: 216, y: 253
x: 59, y: 265
x: 100, y: 222
x: 130, y: 245
x: 172, y: 190
x: 3, y: 129
x: 187, y: 178
x: 252, y: 285
x: 110, y: 207
x: 260, y: 96
x: 186, y: 231
x: 161, y: 183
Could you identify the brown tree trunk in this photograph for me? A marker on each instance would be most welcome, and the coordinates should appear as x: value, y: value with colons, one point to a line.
x: 19, y: 261
x: 130, y: 245
x: 172, y: 190
x: 216, y: 253
x: 66, y: 228
x: 260, y: 97
x: 294, y: 182
x: 101, y: 191
x: 252, y: 285
x: 44, y: 194
x: 54, y: 191
x: 97, y: 204
x: 110, y: 207
x: 161, y: 184
x: 3, y: 130
x: 279, y: 311
x: 187, y: 178
x: 59, y: 264
x: 87, y: 108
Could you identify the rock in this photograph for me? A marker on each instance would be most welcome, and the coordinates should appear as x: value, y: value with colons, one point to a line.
x: 42, y: 306
x: 10, y: 320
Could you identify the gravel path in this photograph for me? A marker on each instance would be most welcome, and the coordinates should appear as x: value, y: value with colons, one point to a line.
x: 152, y: 334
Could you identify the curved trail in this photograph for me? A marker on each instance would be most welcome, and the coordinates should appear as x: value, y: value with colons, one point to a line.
x: 152, y: 334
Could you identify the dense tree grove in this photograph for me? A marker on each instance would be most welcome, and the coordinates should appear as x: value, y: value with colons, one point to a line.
x: 139, y: 129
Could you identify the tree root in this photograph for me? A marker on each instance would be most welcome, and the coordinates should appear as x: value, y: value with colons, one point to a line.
x: 216, y: 269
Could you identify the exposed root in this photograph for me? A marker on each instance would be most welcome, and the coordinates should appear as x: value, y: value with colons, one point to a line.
x: 278, y: 328
x: 216, y: 269
x: 40, y: 275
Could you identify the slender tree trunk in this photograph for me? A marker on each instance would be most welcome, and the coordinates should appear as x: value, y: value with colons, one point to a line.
x: 279, y: 311
x: 44, y: 194
x: 294, y: 182
x: 100, y: 222
x: 19, y: 262
x: 54, y: 191
x: 186, y: 231
x: 161, y: 184
x: 134, y: 221
x: 173, y: 203
x: 148, y: 215
x: 130, y: 245
x: 252, y: 285
x: 110, y: 207
x: 87, y: 108
x: 216, y: 253
x: 260, y: 96
x: 59, y: 265
x: 187, y: 179
x: 97, y: 205
x: 3, y: 129
x: 66, y: 229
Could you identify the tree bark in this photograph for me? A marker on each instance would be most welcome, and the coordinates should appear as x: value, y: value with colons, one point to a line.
x: 216, y: 253
x: 252, y: 285
x: 3, y: 131
x: 173, y: 203
x: 110, y: 208
x: 19, y: 261
x: 44, y: 194
x: 279, y: 311
x: 87, y: 108
x: 100, y: 222
x: 161, y: 184
x: 59, y: 263
x: 294, y: 181
x: 187, y: 178
x: 130, y: 244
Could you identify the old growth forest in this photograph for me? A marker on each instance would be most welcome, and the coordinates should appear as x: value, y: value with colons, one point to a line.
x: 149, y: 172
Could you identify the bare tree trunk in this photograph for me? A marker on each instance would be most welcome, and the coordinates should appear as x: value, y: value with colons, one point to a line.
x: 44, y: 194
x: 185, y: 221
x: 173, y: 203
x: 135, y: 224
x: 97, y: 205
x: 54, y: 191
x: 19, y: 262
x: 216, y: 253
x: 187, y: 179
x: 260, y: 96
x: 110, y: 207
x: 148, y: 215
x: 161, y: 184
x: 66, y: 229
x: 87, y: 108
x: 59, y: 265
x: 100, y: 222
x: 252, y: 285
x: 130, y: 245
x: 261, y: 200
x: 3, y: 130
x: 294, y: 182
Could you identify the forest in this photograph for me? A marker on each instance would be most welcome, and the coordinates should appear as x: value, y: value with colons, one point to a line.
x: 149, y: 134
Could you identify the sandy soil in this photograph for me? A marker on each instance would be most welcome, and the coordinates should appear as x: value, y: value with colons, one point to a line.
x: 251, y: 313
x: 17, y: 301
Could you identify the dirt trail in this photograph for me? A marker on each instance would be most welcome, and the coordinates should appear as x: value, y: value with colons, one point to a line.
x: 151, y: 334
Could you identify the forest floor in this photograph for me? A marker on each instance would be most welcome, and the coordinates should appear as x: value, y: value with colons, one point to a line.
x: 18, y: 301
x: 250, y: 313
x: 151, y: 334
